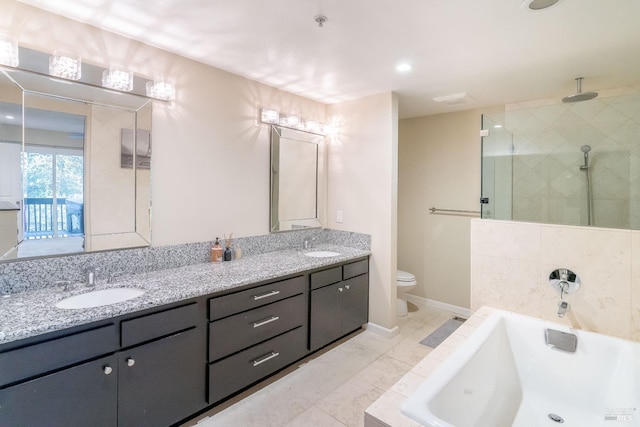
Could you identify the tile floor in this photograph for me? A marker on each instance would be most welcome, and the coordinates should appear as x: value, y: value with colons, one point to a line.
x: 331, y: 388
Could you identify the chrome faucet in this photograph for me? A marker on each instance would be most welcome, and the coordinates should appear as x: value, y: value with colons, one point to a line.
x: 307, y: 243
x: 566, y: 282
x: 91, y: 276
x: 563, y: 307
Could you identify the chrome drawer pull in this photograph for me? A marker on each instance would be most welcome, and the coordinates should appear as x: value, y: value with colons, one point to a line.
x: 265, y: 358
x: 264, y: 322
x: 267, y: 295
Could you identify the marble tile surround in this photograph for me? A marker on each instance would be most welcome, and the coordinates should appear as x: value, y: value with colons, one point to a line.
x: 511, y: 262
x: 548, y: 185
x: 33, y: 274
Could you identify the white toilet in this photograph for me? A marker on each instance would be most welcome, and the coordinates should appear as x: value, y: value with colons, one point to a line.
x: 405, y: 282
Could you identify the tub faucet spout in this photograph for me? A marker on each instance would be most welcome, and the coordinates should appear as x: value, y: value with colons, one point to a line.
x: 563, y: 307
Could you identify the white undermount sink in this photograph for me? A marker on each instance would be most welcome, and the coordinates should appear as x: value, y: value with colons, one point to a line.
x: 321, y: 254
x: 99, y: 298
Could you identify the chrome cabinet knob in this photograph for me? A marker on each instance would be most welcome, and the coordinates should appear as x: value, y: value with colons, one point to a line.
x: 107, y: 369
x: 130, y: 361
x: 346, y: 287
x: 340, y: 289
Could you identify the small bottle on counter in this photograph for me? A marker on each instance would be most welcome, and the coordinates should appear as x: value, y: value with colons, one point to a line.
x: 237, y: 252
x: 216, y: 251
x: 228, y: 254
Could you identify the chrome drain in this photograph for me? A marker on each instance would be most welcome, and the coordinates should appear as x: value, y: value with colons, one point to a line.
x: 556, y: 418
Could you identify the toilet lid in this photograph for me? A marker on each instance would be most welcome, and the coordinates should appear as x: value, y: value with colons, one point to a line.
x: 403, y: 276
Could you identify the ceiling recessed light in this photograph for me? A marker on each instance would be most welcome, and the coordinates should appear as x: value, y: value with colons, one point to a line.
x: 538, y: 4
x: 497, y: 126
x: 10, y: 117
x: 403, y: 68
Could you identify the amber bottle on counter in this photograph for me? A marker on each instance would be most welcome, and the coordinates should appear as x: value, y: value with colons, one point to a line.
x: 216, y: 251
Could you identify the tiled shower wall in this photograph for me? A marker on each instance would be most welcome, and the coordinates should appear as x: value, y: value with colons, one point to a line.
x: 511, y: 263
x: 548, y: 185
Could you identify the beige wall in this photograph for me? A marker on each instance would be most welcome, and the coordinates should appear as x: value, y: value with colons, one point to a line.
x: 511, y: 263
x: 362, y: 183
x: 439, y: 166
x: 210, y: 172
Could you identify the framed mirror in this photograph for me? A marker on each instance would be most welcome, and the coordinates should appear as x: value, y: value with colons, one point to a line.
x: 296, y: 175
x: 75, y: 167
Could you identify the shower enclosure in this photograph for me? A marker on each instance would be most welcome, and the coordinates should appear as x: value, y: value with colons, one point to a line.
x: 565, y: 163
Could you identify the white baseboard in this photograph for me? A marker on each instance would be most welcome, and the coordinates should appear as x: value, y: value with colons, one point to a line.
x: 381, y: 330
x: 426, y: 302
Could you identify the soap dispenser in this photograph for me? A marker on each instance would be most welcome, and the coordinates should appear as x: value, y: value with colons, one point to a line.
x: 216, y: 251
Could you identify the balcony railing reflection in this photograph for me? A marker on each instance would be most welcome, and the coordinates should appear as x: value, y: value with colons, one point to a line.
x: 40, y: 221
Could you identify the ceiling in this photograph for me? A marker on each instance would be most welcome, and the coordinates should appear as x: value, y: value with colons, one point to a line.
x: 495, y: 51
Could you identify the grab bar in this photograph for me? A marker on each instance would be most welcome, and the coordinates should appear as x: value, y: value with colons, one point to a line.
x: 438, y: 210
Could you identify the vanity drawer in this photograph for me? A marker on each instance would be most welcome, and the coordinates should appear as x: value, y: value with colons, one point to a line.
x: 246, y: 300
x: 37, y: 359
x: 243, y: 330
x: 326, y: 277
x: 240, y: 370
x: 355, y: 269
x: 160, y: 324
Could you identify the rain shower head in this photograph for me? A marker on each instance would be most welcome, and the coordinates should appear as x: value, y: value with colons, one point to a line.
x: 585, y: 149
x: 579, y: 95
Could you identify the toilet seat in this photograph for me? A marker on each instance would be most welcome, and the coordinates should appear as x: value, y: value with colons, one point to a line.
x: 403, y: 276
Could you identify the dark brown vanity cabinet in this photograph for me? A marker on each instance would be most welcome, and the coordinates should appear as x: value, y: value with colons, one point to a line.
x: 339, y: 302
x: 162, y: 381
x: 84, y: 395
x: 90, y: 378
x: 160, y: 366
x: 254, y: 333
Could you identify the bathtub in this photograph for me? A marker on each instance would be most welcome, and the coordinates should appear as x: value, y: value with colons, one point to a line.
x: 504, y: 374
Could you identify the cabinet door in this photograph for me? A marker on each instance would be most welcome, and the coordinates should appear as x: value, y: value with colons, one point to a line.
x: 326, y: 316
x: 162, y: 382
x: 84, y: 395
x: 355, y: 303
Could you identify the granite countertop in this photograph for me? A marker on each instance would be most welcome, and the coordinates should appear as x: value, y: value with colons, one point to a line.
x: 30, y: 313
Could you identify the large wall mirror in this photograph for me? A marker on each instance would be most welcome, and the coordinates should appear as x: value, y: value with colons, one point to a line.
x: 74, y: 167
x: 296, y: 175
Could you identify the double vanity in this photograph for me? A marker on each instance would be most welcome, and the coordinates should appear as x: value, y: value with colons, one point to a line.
x: 177, y: 341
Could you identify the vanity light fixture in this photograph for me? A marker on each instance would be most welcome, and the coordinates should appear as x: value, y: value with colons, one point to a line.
x: 162, y: 90
x: 118, y: 79
x: 293, y: 121
x: 313, y: 126
x: 65, y: 66
x: 271, y: 117
x: 9, y: 50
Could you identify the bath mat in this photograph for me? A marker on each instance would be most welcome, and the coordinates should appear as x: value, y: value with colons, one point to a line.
x: 442, y: 333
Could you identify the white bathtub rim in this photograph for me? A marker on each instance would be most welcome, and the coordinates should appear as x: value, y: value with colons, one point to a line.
x: 416, y: 406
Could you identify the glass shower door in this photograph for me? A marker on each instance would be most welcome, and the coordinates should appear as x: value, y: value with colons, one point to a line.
x: 497, y: 170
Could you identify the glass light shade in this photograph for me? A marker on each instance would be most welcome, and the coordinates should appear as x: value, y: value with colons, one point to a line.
x: 161, y: 90
x: 269, y: 116
x: 313, y: 126
x: 114, y: 78
x: 328, y: 129
x: 9, y: 51
x: 292, y: 121
x: 65, y: 66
